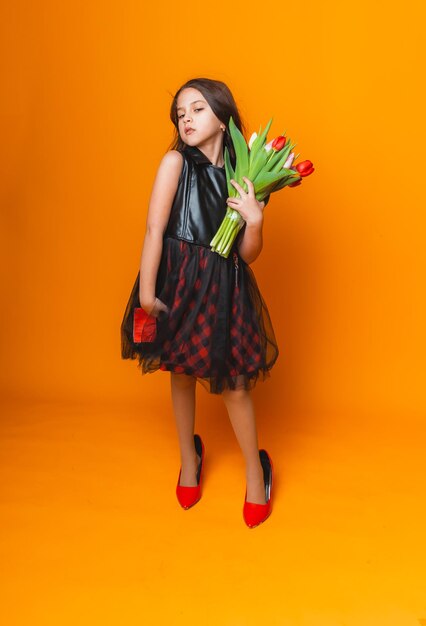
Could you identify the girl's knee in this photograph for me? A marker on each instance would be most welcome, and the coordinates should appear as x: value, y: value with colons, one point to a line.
x: 184, y: 380
x: 234, y: 394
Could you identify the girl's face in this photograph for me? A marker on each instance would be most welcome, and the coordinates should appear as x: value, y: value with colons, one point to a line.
x: 193, y: 111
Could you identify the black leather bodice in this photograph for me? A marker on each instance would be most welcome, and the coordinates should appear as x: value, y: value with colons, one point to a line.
x: 199, y: 205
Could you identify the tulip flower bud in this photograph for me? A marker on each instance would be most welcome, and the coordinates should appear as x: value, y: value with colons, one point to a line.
x: 289, y: 161
x: 279, y: 143
x: 252, y: 138
x: 305, y: 168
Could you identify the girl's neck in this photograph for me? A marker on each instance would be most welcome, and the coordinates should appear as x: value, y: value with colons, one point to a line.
x: 214, y: 153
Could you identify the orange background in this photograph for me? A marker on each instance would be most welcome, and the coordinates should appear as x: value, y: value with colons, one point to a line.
x: 87, y: 91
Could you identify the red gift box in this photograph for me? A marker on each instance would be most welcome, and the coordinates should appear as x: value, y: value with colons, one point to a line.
x: 144, y: 326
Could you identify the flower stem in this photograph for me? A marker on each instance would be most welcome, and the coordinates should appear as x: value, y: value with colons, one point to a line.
x: 227, y: 232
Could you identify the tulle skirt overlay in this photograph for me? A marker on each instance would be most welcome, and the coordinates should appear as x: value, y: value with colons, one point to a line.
x: 217, y: 328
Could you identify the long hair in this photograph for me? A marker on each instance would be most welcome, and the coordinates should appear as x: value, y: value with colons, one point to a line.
x: 221, y: 102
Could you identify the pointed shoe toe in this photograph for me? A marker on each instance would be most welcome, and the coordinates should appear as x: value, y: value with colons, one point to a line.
x: 188, y: 496
x: 253, y: 513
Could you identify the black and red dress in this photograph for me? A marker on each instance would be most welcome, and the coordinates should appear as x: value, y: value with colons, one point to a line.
x: 218, y: 327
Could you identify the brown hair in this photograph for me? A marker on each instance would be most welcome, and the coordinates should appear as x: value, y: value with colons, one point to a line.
x: 222, y: 104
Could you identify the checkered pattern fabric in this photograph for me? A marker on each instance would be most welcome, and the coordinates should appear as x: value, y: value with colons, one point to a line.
x: 217, y: 327
x: 192, y: 350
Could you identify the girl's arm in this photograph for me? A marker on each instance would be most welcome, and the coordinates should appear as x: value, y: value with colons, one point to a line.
x: 249, y: 239
x: 162, y: 196
x: 250, y: 242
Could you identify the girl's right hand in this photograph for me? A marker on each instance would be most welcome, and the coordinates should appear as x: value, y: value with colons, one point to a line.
x: 155, y: 307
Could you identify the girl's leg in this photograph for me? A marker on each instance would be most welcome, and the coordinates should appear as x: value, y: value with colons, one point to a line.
x: 183, y: 398
x: 240, y: 408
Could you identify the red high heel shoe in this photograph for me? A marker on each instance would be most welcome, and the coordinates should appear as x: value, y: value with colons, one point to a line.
x: 188, y: 496
x: 254, y: 514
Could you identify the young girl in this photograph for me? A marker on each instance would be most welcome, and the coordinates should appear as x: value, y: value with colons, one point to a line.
x: 211, y: 322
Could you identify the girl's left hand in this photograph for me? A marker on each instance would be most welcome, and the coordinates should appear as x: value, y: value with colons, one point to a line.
x: 251, y: 210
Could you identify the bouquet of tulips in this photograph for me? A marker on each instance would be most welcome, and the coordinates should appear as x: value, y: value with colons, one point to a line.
x: 269, y: 167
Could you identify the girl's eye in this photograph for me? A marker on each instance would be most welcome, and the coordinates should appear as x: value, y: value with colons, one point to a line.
x: 179, y: 116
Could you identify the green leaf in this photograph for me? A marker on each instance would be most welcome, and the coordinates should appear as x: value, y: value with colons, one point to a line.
x: 258, y: 161
x: 241, y: 152
x: 286, y: 181
x: 258, y: 164
x: 255, y: 147
x: 229, y: 171
x: 265, y: 132
x: 271, y: 178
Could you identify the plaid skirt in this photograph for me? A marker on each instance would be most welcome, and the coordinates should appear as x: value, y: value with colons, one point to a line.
x: 217, y: 327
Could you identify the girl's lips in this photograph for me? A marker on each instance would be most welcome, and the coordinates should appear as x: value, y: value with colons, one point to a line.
x: 190, y: 130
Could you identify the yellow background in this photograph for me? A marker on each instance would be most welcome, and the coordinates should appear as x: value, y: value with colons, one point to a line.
x: 93, y: 531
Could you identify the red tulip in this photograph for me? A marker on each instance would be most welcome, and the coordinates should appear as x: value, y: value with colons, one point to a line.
x: 296, y: 182
x: 305, y: 168
x: 278, y: 143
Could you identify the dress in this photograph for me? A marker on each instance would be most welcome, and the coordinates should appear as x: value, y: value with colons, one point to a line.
x: 218, y: 328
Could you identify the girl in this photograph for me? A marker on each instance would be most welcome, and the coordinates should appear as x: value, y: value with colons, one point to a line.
x: 211, y: 322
